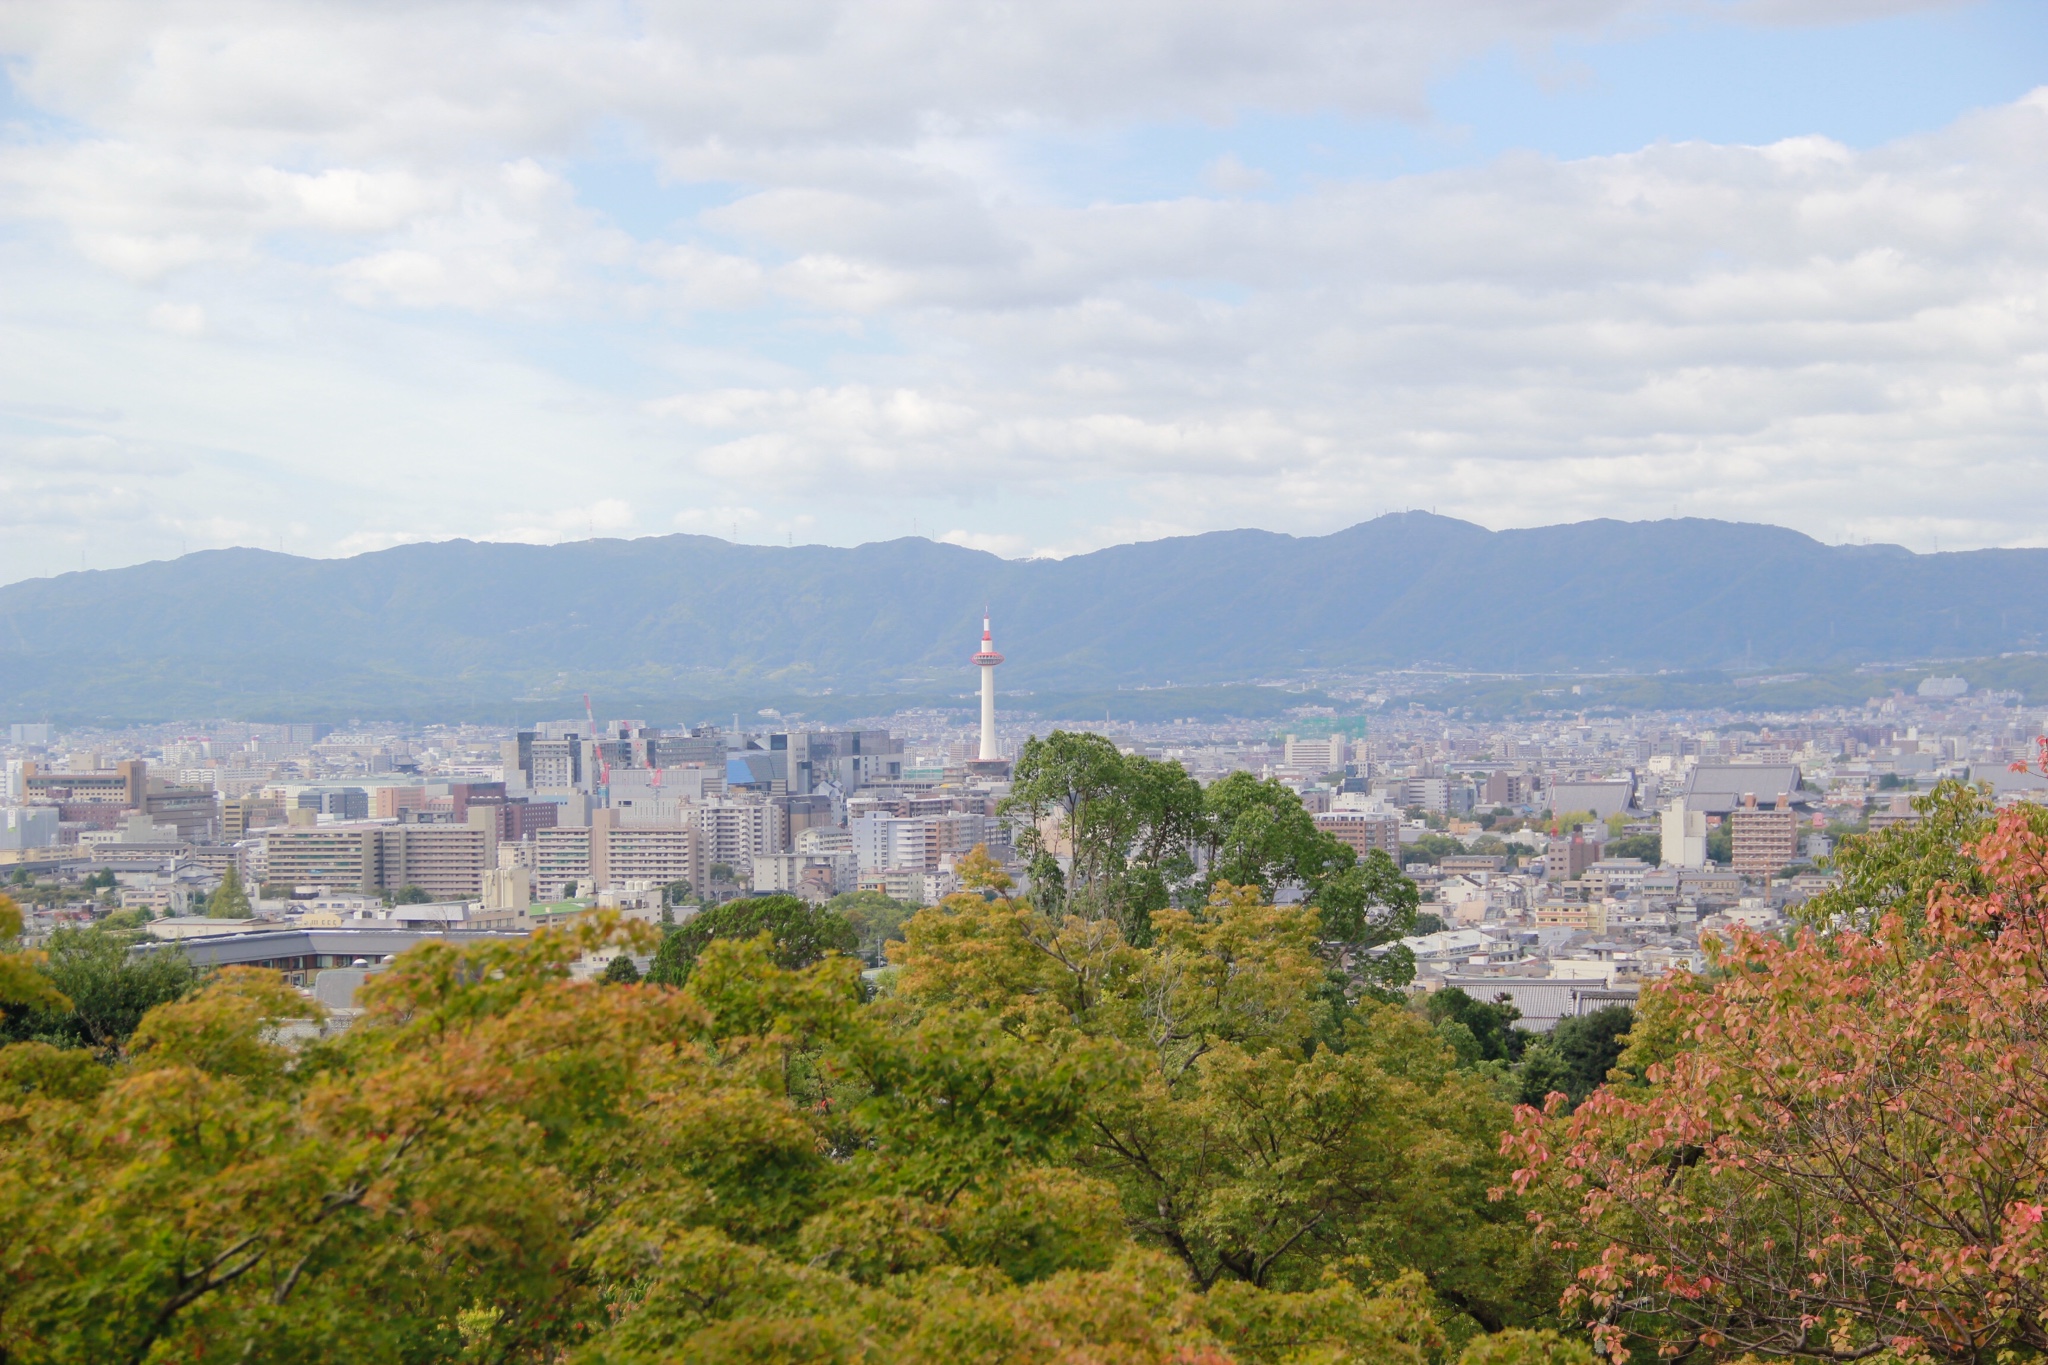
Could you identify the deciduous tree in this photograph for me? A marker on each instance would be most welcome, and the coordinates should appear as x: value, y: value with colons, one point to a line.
x: 1838, y: 1147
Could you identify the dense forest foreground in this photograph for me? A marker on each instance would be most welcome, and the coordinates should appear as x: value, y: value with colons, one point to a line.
x: 1214, y: 1137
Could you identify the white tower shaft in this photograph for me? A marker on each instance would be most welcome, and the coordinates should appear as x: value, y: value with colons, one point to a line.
x: 986, y: 660
x: 988, y: 714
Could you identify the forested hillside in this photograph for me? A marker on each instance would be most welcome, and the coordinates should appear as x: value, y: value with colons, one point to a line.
x: 466, y: 627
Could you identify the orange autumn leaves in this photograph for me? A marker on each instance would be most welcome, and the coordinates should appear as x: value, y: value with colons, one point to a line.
x: 1832, y: 1146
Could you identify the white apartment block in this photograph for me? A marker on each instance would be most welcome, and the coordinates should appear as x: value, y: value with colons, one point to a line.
x: 561, y: 856
x: 920, y: 843
x: 785, y: 873
x: 736, y: 832
x: 1315, y: 755
x: 612, y: 853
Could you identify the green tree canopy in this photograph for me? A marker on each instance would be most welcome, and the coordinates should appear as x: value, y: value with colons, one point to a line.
x: 98, y: 989
x: 1489, y: 1024
x: 1648, y: 847
x: 801, y: 934
x: 1576, y: 1055
x: 877, y: 919
x: 1041, y: 1142
x: 1128, y: 825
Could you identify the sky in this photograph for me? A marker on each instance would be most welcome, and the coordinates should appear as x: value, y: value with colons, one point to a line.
x: 1031, y: 277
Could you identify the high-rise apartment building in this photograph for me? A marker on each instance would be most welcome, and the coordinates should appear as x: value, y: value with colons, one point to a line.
x: 1762, y: 839
x: 735, y: 831
x: 561, y: 859
x: 1363, y: 831
x: 342, y: 857
x: 446, y: 861
x: 918, y: 843
x: 612, y: 853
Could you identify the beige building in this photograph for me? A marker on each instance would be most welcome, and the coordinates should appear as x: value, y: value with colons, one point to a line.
x: 1363, y: 831
x: 242, y: 815
x: 1762, y: 839
x: 446, y: 861
x: 734, y: 831
x: 1590, y: 916
x: 561, y: 857
x: 340, y: 856
x: 653, y: 855
x: 612, y: 853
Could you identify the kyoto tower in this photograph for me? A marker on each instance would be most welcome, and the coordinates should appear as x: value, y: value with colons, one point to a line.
x: 986, y: 661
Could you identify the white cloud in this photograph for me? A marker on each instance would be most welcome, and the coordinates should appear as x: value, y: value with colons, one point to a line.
x: 1230, y: 175
x: 183, y: 319
x: 263, y: 237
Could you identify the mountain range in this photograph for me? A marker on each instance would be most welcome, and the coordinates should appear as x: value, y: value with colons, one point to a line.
x: 495, y: 630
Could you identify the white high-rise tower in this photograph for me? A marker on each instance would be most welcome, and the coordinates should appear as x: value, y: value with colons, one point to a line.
x: 986, y: 661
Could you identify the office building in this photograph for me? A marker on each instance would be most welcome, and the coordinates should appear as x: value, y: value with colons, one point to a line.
x: 545, y: 762
x: 126, y: 784
x: 243, y: 815
x: 1327, y: 755
x: 343, y: 803
x: 1569, y: 855
x: 23, y: 827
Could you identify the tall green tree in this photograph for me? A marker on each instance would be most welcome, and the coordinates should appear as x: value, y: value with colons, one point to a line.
x: 877, y: 919
x: 1259, y: 834
x: 230, y: 900
x: 1049, y: 1144
x: 1126, y: 825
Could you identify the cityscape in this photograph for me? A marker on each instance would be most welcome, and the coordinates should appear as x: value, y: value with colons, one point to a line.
x: 902, y: 682
x: 1563, y: 859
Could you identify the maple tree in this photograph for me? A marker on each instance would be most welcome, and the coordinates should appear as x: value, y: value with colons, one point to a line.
x: 499, y: 1162
x: 1834, y: 1147
x: 1257, y: 1128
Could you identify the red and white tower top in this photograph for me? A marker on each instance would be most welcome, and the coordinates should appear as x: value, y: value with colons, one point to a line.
x: 988, y: 658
